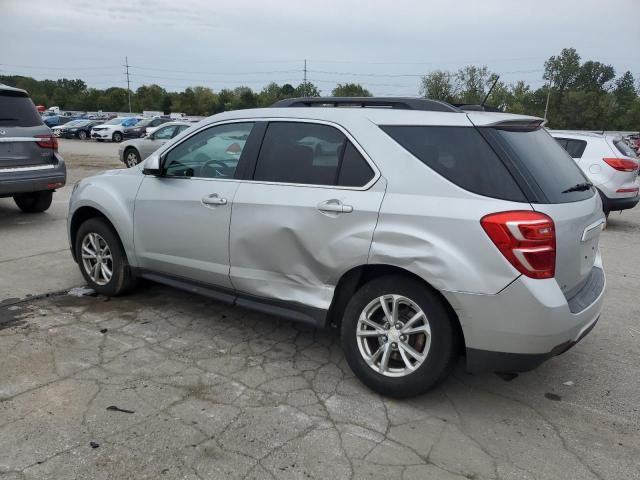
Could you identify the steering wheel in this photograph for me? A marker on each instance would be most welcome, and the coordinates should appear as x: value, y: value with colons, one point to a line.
x: 217, y: 166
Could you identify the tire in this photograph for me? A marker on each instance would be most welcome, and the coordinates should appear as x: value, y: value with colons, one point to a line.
x: 116, y: 137
x: 82, y: 135
x: 107, y: 242
x: 35, y: 202
x: 131, y: 157
x: 439, y: 349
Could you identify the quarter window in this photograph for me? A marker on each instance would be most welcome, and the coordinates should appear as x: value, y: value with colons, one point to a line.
x: 212, y: 153
x: 575, y: 148
x: 310, y: 154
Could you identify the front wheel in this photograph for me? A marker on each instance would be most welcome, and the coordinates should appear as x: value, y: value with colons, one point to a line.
x: 398, y: 336
x: 35, y: 202
x: 117, y: 137
x: 102, y: 260
x: 131, y: 158
x: 82, y: 135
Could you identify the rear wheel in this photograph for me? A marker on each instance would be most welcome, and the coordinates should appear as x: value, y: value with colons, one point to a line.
x: 34, y: 202
x: 102, y: 259
x: 82, y: 135
x: 116, y: 137
x: 398, y: 336
x: 131, y: 157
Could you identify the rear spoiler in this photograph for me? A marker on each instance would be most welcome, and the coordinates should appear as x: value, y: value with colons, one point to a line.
x: 518, y: 124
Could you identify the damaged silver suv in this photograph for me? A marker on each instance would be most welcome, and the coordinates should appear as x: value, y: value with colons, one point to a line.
x: 423, y: 232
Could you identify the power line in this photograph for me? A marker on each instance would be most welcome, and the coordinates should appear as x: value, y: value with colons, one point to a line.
x: 126, y: 64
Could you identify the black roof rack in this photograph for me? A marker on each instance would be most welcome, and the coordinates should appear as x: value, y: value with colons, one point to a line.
x: 469, y: 107
x: 401, y: 103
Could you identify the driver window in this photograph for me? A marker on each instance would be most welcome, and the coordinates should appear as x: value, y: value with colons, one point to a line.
x: 164, y: 133
x: 212, y: 153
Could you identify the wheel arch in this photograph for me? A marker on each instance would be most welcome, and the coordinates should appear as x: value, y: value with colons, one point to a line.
x: 83, y: 214
x: 354, y: 278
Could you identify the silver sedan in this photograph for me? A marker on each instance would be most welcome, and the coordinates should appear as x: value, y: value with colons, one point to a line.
x: 132, y: 152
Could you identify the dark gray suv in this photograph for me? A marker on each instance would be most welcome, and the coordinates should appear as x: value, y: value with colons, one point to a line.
x: 30, y: 166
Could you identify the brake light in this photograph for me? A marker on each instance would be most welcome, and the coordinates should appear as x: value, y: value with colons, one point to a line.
x: 526, y: 239
x: 622, y: 164
x: 628, y: 190
x: 48, y: 141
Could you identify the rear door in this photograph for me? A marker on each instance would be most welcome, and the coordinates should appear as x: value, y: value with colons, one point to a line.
x: 20, y: 124
x: 306, y: 216
x: 557, y: 187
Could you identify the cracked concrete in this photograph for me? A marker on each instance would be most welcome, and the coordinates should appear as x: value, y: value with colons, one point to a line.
x: 221, y: 392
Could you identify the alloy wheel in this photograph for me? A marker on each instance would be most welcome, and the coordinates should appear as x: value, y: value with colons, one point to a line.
x: 97, y: 259
x: 393, y: 335
x: 132, y: 159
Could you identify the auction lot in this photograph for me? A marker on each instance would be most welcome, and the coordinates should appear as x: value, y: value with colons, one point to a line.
x: 164, y: 384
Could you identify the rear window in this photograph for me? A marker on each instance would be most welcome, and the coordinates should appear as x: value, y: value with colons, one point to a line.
x: 624, y: 149
x: 17, y: 110
x: 544, y: 163
x: 460, y: 155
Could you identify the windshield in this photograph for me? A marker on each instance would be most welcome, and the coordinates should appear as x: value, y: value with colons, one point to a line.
x: 545, y: 164
x: 115, y: 121
x: 143, y: 123
x: 75, y: 123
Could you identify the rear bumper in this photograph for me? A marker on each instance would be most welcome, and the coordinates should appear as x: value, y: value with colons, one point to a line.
x: 504, y: 362
x: 617, y: 204
x: 12, y: 183
x: 526, y: 323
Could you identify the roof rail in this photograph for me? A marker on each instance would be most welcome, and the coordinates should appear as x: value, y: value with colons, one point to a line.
x: 469, y: 107
x: 400, y: 103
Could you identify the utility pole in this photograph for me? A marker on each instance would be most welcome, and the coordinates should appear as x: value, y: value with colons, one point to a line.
x: 546, y: 107
x: 126, y: 64
x: 304, y: 83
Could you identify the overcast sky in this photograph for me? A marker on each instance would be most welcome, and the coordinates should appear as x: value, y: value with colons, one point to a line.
x: 384, y: 45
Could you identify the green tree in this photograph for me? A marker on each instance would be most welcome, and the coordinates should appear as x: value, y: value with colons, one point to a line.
x: 306, y: 89
x: 350, y: 90
x: 149, y: 97
x: 439, y: 85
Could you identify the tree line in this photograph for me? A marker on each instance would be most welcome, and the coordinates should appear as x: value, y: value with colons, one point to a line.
x: 580, y: 95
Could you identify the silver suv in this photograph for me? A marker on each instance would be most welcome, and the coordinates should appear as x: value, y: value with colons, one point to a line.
x: 419, y: 230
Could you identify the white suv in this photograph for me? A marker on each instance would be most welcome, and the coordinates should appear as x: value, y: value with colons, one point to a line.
x: 609, y: 162
x: 420, y: 230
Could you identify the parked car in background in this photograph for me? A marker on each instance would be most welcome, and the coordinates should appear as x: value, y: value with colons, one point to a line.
x: 609, y: 164
x: 113, y: 130
x: 31, y: 168
x: 140, y: 129
x: 55, y: 120
x: 432, y: 231
x: 132, y: 152
x: 80, y: 129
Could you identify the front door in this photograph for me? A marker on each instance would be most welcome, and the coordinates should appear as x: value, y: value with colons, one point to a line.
x: 306, y: 217
x: 182, y: 218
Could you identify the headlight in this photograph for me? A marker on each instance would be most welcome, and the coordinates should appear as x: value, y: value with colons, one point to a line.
x: 73, y: 130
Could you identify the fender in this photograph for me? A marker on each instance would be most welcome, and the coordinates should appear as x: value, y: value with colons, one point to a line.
x: 114, y: 199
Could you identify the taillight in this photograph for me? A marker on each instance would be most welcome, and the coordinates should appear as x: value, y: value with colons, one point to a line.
x: 622, y: 164
x: 526, y: 239
x: 628, y: 190
x: 48, y: 141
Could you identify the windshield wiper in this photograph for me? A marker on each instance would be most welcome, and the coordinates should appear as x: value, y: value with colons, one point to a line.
x: 580, y: 187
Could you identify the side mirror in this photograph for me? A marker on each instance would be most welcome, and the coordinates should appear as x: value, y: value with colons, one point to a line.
x: 152, y: 166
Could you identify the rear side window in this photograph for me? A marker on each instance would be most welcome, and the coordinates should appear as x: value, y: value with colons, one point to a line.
x: 17, y: 110
x: 310, y: 154
x: 544, y: 163
x: 574, y: 147
x: 460, y: 155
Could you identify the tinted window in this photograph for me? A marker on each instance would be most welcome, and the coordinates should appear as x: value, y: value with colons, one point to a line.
x: 305, y: 153
x: 545, y: 162
x: 211, y: 153
x: 462, y: 156
x: 624, y: 149
x: 354, y: 170
x: 575, y: 148
x: 17, y: 110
